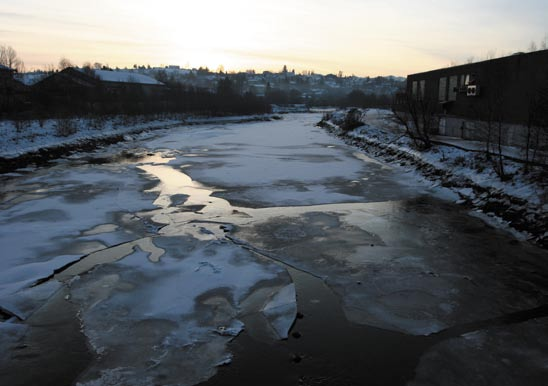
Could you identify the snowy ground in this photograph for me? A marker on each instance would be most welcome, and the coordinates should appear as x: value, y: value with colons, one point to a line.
x: 520, y: 203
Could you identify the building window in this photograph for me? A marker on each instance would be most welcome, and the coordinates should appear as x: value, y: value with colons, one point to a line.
x: 422, y: 87
x: 453, y: 88
x: 443, y: 90
x: 414, y: 88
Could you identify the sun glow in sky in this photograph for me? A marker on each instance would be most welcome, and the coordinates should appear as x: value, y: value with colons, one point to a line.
x: 362, y: 37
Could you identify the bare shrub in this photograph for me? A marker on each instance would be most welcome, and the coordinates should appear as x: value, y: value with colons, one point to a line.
x: 478, y: 162
x: 418, y: 115
x: 97, y: 123
x: 326, y: 117
x: 352, y: 120
x: 65, y: 127
x: 536, y: 147
x: 21, y: 125
x: 459, y: 161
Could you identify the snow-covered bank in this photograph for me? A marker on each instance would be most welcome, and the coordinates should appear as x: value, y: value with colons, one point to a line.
x: 520, y: 203
x: 25, y: 142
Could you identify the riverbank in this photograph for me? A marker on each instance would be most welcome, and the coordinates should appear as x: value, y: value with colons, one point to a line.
x: 33, y: 142
x: 519, y: 203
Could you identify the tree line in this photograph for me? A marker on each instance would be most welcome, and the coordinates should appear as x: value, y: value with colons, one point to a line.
x: 136, y: 99
x: 133, y: 99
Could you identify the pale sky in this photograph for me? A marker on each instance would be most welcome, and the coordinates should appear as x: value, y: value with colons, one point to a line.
x: 361, y: 37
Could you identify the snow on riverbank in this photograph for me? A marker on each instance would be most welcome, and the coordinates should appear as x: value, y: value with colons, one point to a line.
x: 520, y: 202
x: 19, y: 138
x: 30, y: 136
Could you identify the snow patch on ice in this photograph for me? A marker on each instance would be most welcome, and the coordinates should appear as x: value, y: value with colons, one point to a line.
x: 61, y: 222
x: 183, y: 308
x: 281, y: 310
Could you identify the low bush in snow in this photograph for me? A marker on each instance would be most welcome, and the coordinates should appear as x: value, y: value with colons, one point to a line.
x: 21, y: 125
x: 65, y: 127
x: 352, y: 120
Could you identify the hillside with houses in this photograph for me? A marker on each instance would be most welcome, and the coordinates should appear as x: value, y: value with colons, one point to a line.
x: 175, y: 89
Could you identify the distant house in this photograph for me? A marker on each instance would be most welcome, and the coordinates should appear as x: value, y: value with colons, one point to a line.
x: 113, y: 80
x: 69, y: 80
x: 85, y: 90
x: 66, y: 90
x: 509, y: 90
x: 72, y: 79
x: 13, y: 94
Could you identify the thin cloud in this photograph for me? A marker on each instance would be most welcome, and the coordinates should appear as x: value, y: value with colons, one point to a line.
x: 280, y: 58
x: 16, y: 15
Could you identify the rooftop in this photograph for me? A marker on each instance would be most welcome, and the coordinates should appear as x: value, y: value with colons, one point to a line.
x: 125, y: 77
x: 540, y: 53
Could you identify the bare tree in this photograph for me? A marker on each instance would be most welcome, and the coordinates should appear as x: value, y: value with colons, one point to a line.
x: 491, y: 54
x: 544, y: 43
x: 88, y: 69
x: 9, y: 58
x: 418, y: 115
x: 537, y: 126
x: 496, y: 106
x: 64, y: 63
x: 49, y: 68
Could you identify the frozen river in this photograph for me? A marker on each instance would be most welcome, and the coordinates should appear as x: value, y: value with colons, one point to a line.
x: 266, y: 253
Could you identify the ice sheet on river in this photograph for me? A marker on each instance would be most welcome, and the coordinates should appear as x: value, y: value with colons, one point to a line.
x: 409, y: 266
x: 512, y: 355
x: 52, y: 219
x: 399, y: 270
x: 412, y: 264
x: 169, y: 322
x: 292, y: 163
